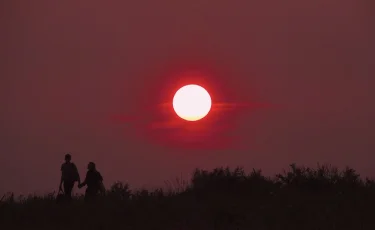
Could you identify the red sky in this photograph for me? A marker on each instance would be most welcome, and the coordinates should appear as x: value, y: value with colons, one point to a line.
x: 291, y: 81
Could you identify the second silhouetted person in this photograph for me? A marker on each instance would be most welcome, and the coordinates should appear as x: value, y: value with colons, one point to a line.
x: 93, y: 181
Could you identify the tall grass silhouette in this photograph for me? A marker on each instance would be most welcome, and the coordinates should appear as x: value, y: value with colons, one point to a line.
x: 224, y: 198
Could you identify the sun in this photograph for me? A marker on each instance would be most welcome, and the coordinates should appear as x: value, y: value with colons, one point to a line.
x: 192, y: 102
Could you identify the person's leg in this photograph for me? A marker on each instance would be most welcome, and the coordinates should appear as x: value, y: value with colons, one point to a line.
x: 68, y: 187
x: 89, y: 195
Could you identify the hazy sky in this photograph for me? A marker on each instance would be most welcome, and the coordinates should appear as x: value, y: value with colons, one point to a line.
x: 291, y: 81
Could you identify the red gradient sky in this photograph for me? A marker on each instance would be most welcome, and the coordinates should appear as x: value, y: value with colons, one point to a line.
x: 291, y: 81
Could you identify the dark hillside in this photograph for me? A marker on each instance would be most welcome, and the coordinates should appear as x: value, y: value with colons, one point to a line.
x: 301, y: 198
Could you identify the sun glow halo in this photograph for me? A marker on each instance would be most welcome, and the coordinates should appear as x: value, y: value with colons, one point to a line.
x: 192, y: 102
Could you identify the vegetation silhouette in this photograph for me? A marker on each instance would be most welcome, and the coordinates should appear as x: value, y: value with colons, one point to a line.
x: 298, y: 198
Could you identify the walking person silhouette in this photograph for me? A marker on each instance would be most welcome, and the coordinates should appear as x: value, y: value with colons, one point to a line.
x: 69, y: 175
x: 94, y: 182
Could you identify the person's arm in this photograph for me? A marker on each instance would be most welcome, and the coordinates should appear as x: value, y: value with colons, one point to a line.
x: 61, y: 179
x: 84, y: 182
x: 101, y: 185
x: 76, y: 170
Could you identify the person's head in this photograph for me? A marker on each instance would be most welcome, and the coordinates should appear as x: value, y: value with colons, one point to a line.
x: 91, y: 166
x: 68, y: 157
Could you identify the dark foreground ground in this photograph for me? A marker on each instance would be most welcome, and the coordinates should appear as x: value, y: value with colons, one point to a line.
x: 301, y: 198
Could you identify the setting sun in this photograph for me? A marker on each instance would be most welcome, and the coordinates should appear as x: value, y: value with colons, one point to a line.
x: 192, y: 102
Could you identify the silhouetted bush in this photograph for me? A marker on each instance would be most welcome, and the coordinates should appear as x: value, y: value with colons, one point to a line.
x: 298, y: 198
x: 119, y: 191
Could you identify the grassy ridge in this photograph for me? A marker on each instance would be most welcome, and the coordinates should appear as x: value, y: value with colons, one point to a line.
x: 300, y: 198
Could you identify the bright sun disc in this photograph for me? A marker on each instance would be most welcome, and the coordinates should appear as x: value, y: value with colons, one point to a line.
x: 192, y: 102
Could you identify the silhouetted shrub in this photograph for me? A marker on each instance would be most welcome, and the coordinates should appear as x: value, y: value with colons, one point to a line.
x: 119, y: 191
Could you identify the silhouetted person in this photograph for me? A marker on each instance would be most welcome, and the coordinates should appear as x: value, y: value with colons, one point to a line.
x: 93, y: 181
x: 69, y: 175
